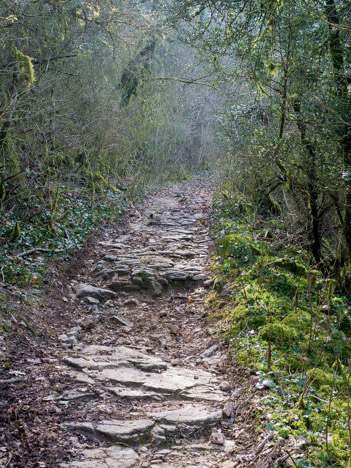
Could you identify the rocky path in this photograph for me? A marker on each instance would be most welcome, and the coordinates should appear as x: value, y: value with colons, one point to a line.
x: 124, y: 368
x: 141, y: 353
x: 152, y: 374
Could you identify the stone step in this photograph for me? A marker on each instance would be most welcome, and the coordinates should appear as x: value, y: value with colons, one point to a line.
x: 169, y: 423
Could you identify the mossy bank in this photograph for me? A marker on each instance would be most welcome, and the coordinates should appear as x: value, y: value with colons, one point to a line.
x: 286, y: 322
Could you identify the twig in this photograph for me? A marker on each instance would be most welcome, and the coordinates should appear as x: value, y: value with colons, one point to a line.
x: 37, y: 249
x: 261, y: 447
x: 64, y: 230
x: 291, y: 458
x: 39, y: 62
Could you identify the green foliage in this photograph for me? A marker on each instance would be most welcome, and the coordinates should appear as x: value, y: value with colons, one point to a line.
x: 270, y: 298
x: 75, y: 220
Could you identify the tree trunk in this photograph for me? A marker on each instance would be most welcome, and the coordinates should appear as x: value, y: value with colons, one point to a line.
x: 315, y: 235
x: 342, y: 95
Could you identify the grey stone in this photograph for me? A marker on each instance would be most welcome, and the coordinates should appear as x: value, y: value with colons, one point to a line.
x: 130, y: 394
x: 208, y: 352
x: 121, y: 321
x: 171, y: 380
x: 228, y: 410
x: 110, y: 457
x: 109, y: 258
x: 116, y: 430
x: 202, y: 393
x: 118, y: 286
x: 84, y: 290
x: 268, y: 383
x: 88, y: 323
x: 176, y: 275
x: 155, y: 287
x: 75, y: 395
x: 124, y: 431
x: 105, y: 357
x: 68, y: 339
x: 239, y: 392
x: 109, y: 274
x: 190, y: 414
x: 217, y: 438
x: 174, y: 329
x: 225, y: 386
x: 199, y: 277
x: 131, y: 301
x: 91, y: 300
x: 158, y: 433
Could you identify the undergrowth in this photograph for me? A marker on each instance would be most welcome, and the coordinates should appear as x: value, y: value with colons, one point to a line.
x: 75, y: 219
x: 286, y: 323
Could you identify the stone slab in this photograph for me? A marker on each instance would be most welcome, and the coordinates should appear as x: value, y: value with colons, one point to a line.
x: 115, y: 430
x: 171, y: 380
x: 111, y: 457
x: 103, y: 357
x: 190, y: 415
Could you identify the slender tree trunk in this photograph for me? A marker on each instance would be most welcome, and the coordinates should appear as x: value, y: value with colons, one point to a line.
x: 342, y: 95
x: 316, y: 243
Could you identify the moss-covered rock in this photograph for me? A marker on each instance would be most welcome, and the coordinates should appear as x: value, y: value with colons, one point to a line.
x: 298, y: 320
x: 281, y: 335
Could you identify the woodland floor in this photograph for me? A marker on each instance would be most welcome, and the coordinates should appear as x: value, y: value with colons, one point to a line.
x: 130, y: 372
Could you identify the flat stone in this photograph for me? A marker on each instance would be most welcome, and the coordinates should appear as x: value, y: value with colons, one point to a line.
x: 130, y: 394
x: 85, y: 290
x: 199, y: 277
x: 120, y: 431
x: 131, y: 301
x: 104, y: 357
x: 109, y: 258
x: 118, y: 286
x: 111, y: 457
x: 210, y: 351
x: 176, y: 275
x: 205, y: 393
x: 115, y: 430
x: 186, y: 253
x: 91, y: 300
x: 121, y: 321
x: 190, y: 414
x: 78, y: 396
x: 171, y: 380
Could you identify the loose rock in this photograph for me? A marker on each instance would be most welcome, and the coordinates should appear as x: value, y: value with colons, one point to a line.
x: 225, y: 386
x: 217, y: 438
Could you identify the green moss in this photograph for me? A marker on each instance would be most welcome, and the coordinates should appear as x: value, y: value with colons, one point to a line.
x: 280, y: 334
x: 25, y: 66
x: 320, y: 377
x: 298, y: 320
x: 296, y: 268
x: 246, y: 318
x: 15, y: 233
